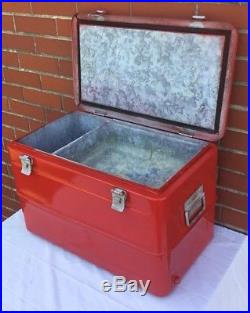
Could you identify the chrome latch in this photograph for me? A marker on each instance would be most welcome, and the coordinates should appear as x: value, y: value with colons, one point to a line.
x: 26, y: 163
x: 119, y: 197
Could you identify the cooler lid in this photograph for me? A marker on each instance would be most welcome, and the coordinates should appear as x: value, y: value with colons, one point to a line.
x: 173, y: 75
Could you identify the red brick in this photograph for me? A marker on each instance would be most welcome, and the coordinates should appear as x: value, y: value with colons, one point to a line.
x: 8, y: 204
x: 5, y: 156
x: 65, y: 68
x: 11, y: 174
x: 10, y: 169
x: 27, y: 110
x: 10, y: 59
x: 54, y: 8
x: 5, y: 104
x: 4, y: 202
x: 36, y: 25
x: 17, y: 42
x: 119, y: 8
x: 34, y: 125
x: 235, y: 140
x: 8, y: 181
x: 53, y: 47
x: 15, y: 121
x: 68, y: 104
x: 6, y: 212
x: 231, y: 199
x: 234, y: 219
x: 22, y: 78
x: 4, y: 169
x: 8, y: 132
x: 12, y: 91
x: 20, y: 133
x: 16, y: 7
x: 238, y: 119
x: 233, y: 181
x: 231, y: 13
x: 5, y: 143
x: 15, y: 196
x: 57, y: 84
x: 53, y: 115
x: 239, y: 95
x: 233, y: 161
x: 7, y: 192
x: 38, y: 63
x: 11, y: 203
x: 163, y: 9
x: 217, y: 214
x: 43, y: 98
x: 242, y: 45
x: 241, y: 71
x: 64, y: 27
x: 7, y: 22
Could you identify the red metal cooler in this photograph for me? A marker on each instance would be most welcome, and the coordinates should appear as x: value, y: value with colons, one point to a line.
x: 128, y: 180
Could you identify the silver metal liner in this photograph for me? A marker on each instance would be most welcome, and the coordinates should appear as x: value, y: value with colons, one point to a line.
x: 136, y: 153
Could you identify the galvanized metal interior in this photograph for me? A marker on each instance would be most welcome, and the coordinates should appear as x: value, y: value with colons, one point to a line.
x: 143, y: 155
x: 170, y: 75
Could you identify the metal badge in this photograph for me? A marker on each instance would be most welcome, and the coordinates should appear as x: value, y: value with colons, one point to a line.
x: 118, y: 199
x: 26, y: 163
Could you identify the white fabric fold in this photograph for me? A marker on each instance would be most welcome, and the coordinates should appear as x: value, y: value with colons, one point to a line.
x: 38, y: 275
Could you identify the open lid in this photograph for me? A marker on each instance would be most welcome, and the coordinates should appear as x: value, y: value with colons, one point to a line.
x: 173, y: 75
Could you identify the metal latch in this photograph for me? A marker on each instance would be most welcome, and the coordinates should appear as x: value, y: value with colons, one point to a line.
x: 26, y: 162
x: 194, y: 206
x: 119, y: 197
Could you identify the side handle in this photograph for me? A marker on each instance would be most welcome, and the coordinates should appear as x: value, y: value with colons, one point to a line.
x: 194, y: 206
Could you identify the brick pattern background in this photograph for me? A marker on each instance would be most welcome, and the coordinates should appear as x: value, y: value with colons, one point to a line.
x: 37, y: 84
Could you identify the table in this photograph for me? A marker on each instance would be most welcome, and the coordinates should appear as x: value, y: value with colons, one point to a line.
x: 38, y: 275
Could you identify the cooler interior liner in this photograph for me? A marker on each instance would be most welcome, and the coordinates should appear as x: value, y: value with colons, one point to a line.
x: 136, y: 153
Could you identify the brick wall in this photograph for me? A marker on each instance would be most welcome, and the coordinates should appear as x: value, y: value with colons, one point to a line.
x: 37, y: 84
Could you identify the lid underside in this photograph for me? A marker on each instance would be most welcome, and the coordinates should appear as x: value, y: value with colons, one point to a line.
x: 167, y: 75
x: 173, y: 75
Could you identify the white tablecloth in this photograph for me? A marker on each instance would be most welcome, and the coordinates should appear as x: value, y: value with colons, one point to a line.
x: 40, y: 276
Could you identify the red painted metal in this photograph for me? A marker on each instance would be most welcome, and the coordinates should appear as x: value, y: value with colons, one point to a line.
x: 70, y: 204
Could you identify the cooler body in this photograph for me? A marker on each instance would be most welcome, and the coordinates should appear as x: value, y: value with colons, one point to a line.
x: 128, y: 180
x: 162, y: 227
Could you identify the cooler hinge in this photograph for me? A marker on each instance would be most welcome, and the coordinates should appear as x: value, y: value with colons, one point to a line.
x: 187, y: 133
x: 98, y: 15
x: 101, y: 112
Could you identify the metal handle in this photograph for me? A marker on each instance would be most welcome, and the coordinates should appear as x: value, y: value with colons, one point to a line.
x: 194, y: 206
